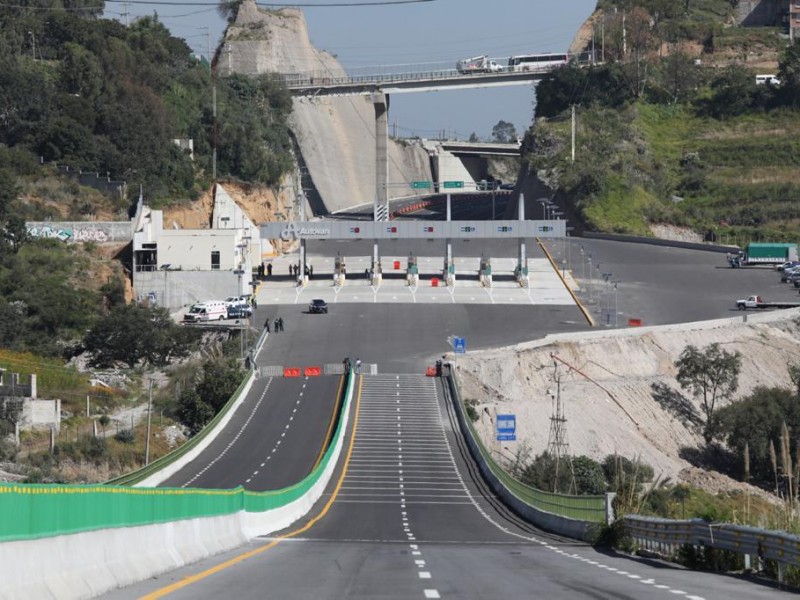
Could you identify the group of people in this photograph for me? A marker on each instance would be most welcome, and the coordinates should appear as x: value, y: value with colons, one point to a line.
x: 262, y: 269
x: 294, y: 270
x: 278, y: 324
x: 348, y: 364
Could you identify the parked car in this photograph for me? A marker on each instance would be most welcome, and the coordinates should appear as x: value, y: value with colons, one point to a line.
x: 239, y: 311
x: 787, y: 264
x: 243, y: 300
x: 318, y: 305
x: 787, y: 273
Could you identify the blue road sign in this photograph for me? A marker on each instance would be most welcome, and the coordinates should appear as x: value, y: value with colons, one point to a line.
x: 506, y: 428
x: 460, y: 345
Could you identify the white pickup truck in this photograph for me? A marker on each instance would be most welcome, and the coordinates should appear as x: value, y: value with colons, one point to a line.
x: 756, y: 302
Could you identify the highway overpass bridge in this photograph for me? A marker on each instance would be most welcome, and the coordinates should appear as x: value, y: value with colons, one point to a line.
x: 379, y: 86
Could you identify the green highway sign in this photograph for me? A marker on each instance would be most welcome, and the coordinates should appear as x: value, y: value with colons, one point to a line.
x: 421, y: 185
x: 453, y: 184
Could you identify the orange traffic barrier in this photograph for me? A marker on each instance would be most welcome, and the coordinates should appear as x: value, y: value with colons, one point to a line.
x: 397, y: 265
x: 634, y: 322
x: 291, y: 371
x: 435, y: 282
x: 431, y: 372
x: 312, y: 371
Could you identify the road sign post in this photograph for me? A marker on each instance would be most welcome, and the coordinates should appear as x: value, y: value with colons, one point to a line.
x: 506, y: 428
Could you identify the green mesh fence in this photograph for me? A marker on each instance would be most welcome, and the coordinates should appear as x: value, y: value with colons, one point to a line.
x: 584, y: 508
x: 29, y: 511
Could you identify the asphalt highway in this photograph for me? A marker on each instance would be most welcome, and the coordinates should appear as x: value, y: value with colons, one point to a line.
x: 407, y: 516
x: 272, y: 441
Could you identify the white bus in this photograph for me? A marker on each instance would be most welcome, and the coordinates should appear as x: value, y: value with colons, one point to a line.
x: 537, y: 62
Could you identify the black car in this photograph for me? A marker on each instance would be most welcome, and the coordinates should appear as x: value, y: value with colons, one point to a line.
x: 318, y: 306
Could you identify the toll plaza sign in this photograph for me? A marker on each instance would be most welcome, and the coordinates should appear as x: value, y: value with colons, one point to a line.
x: 372, y: 230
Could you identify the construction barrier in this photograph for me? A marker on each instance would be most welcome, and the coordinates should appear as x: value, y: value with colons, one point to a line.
x: 291, y: 371
x: 312, y: 371
x: 435, y: 282
x: 431, y: 372
x: 634, y: 322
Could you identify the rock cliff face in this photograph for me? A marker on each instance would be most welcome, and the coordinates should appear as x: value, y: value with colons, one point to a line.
x: 336, y: 136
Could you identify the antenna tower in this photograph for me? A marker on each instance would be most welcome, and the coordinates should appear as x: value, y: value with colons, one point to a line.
x: 557, y: 443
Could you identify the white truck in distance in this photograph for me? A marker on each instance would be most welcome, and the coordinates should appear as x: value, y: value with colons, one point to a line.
x: 758, y: 303
x: 479, y: 64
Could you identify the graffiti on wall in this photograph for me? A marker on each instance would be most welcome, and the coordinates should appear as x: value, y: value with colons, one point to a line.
x: 68, y: 234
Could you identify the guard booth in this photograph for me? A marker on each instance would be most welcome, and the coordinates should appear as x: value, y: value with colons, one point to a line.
x: 485, y: 273
x: 412, y: 270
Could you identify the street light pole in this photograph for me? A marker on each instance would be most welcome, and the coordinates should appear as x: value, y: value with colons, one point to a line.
x: 149, y: 413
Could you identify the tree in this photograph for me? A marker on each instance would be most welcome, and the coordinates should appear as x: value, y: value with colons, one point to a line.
x: 756, y: 420
x: 135, y: 334
x: 712, y: 376
x: 504, y: 132
x: 198, y: 405
x: 473, y: 138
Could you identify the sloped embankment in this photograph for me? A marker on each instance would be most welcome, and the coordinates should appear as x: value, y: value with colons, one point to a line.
x: 608, y: 394
x: 336, y: 135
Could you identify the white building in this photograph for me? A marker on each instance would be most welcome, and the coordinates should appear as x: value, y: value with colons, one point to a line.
x: 177, y: 267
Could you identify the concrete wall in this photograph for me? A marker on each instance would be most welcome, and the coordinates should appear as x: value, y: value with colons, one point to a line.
x: 82, y: 231
x: 760, y: 13
x: 190, y: 249
x: 181, y: 288
x: 450, y: 168
x: 40, y: 414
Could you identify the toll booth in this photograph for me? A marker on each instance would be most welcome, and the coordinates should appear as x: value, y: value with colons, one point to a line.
x: 521, y: 274
x: 412, y: 270
x: 339, y: 270
x: 485, y: 273
x: 449, y: 273
x: 375, y: 274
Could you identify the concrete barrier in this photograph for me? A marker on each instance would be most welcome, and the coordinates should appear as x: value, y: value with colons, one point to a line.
x: 84, y: 565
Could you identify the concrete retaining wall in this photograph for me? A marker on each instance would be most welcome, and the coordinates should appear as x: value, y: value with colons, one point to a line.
x: 579, y: 530
x: 658, y: 242
x: 174, y: 289
x: 82, y: 231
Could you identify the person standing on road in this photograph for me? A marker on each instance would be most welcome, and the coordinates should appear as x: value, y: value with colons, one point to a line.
x: 269, y: 270
x: 266, y: 324
x: 358, y: 366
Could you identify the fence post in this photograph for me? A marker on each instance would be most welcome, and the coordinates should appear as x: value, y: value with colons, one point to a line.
x: 610, y: 507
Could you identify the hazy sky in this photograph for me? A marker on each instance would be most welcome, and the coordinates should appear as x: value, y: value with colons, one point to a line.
x: 440, y: 31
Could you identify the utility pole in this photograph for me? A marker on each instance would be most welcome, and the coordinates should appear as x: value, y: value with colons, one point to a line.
x: 557, y: 444
x: 126, y: 13
x: 149, y: 412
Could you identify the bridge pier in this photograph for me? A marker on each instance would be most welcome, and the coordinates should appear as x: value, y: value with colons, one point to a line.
x: 376, y: 272
x: 380, y: 103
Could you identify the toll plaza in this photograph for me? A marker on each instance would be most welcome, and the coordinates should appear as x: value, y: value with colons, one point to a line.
x: 394, y: 233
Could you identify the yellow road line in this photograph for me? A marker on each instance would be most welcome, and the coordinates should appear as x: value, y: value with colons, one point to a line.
x: 187, y: 581
x: 330, y: 425
x: 587, y: 315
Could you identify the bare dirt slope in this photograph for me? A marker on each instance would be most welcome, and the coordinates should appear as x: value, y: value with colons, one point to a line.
x: 608, y: 396
x: 335, y: 135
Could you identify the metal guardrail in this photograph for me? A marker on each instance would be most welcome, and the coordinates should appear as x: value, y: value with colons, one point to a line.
x: 666, y: 536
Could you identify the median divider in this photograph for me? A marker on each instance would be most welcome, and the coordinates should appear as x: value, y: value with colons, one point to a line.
x: 100, y: 537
